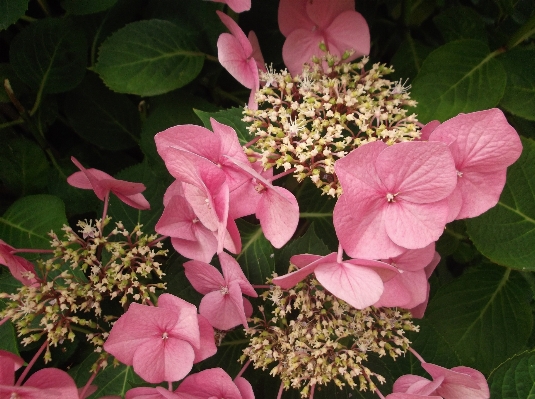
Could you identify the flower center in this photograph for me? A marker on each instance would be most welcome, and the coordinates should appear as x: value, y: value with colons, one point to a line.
x: 223, y: 290
x: 460, y: 174
x: 165, y: 336
x: 391, y: 197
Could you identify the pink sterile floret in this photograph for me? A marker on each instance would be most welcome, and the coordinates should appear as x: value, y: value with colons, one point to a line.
x: 458, y: 383
x: 307, y: 23
x: 394, y: 197
x: 237, y: 5
x: 20, y: 268
x: 483, y: 145
x: 102, y: 184
x: 359, y: 282
x: 223, y: 304
x: 240, y: 56
x: 159, y: 342
x: 215, y: 384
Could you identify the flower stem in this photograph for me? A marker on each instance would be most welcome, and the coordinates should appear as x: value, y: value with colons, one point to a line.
x: 32, y: 362
x: 417, y: 355
x: 243, y: 369
x: 105, y: 211
x: 289, y: 171
x: 279, y: 395
x: 33, y: 251
x: 88, y: 383
x: 379, y: 393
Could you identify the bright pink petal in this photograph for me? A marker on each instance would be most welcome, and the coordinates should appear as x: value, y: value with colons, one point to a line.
x: 233, y: 272
x: 247, y: 307
x: 187, y: 324
x: 174, y: 189
x: 358, y: 286
x: 292, y: 15
x: 415, y: 226
x: 212, y: 383
x: 203, y: 277
x: 207, y: 346
x: 245, y: 388
x: 233, y: 238
x: 9, y: 363
x: 51, y: 383
x: 428, y: 129
x: 349, y: 31
x: 150, y: 393
x: 17, y: 265
x: 410, y: 396
x: 299, y: 48
x: 177, y: 220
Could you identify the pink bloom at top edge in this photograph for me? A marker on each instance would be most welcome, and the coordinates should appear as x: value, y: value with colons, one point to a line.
x: 307, y: 23
x: 222, y: 304
x: 359, y: 282
x: 394, y: 197
x: 48, y: 383
x: 215, y: 384
x: 18, y: 266
x: 159, y: 342
x: 237, y: 5
x: 483, y: 145
x: 102, y: 184
x: 456, y: 383
x: 240, y: 56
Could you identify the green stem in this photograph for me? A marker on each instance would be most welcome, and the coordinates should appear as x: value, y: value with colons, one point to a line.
x: 211, y: 58
x: 28, y: 19
x: 80, y: 329
x: 525, y: 31
x: 44, y: 6
x: 12, y: 123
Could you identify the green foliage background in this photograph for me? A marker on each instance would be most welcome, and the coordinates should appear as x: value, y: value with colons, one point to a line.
x: 98, y: 79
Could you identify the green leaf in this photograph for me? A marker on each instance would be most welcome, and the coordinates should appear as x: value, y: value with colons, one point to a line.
x: 23, y: 167
x: 309, y: 243
x: 155, y: 188
x: 113, y: 380
x: 228, y: 353
x: 50, y: 54
x: 519, y: 96
x: 231, y: 117
x: 461, y: 76
x: 177, y: 282
x: 148, y: 58
x: 171, y: 109
x: 506, y: 233
x: 409, y: 59
x: 481, y: 318
x: 8, y: 340
x: 461, y: 22
x: 83, y: 7
x: 11, y: 11
x: 515, y: 378
x: 26, y: 223
x: 257, y: 257
x: 106, y: 119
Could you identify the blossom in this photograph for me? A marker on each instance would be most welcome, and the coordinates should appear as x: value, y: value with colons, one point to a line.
x: 159, y: 342
x: 394, y: 197
x: 240, y: 56
x: 48, y: 383
x: 356, y: 281
x: 237, y: 5
x: 102, y: 184
x: 215, y: 384
x: 222, y: 304
x: 20, y: 268
x: 483, y: 145
x: 458, y: 383
x: 307, y: 23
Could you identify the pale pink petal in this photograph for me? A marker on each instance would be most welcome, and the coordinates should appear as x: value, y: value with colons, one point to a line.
x: 207, y: 346
x: 150, y: 393
x: 137, y: 201
x: 428, y: 129
x: 236, y: 61
x: 245, y: 388
x: 232, y: 238
x: 406, y: 290
x: 175, y: 189
x: 348, y: 31
x: 224, y: 310
x: 358, y: 286
x: 202, y: 249
x: 384, y: 270
x: 236, y: 31
x: 414, y: 259
x: 479, y: 191
x: 414, y: 384
x: 415, y: 226
x: 257, y: 53
x: 187, y: 325
x: 203, y: 277
x: 163, y: 360
x: 305, y: 259
x: 212, y: 383
x: 177, y: 220
x: 233, y: 272
x: 421, y: 172
x: 323, y: 12
x: 299, y: 48
x: 460, y: 382
x: 79, y: 180
x: 292, y: 15
x: 455, y: 203
x: 289, y: 280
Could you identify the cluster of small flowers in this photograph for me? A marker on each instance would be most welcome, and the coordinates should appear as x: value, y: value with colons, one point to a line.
x: 312, y: 119
x: 314, y: 338
x: 51, y: 306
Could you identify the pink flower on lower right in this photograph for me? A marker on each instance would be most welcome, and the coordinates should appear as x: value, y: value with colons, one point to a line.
x: 458, y: 383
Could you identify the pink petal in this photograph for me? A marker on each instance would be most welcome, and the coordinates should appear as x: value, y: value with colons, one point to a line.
x: 292, y: 15
x: 247, y: 308
x: 207, y: 346
x: 237, y: 5
x: 239, y: 63
x: 299, y: 48
x: 203, y: 277
x: 175, y: 189
x: 415, y: 226
x: 51, y: 383
x: 245, y: 388
x: 289, y: 280
x: 212, y: 383
x: 202, y: 249
x: 428, y: 129
x: 406, y: 290
x: 410, y: 396
x: 150, y: 393
x: 358, y: 286
x: 349, y: 31
x: 236, y: 31
x: 323, y: 12
x: 187, y: 325
x: 17, y: 265
x: 414, y: 259
x: 233, y: 272
x: 414, y: 384
x: 9, y: 363
x: 137, y: 201
x: 163, y: 360
x: 224, y: 310
x: 177, y: 220
x: 232, y: 239
x: 257, y: 53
